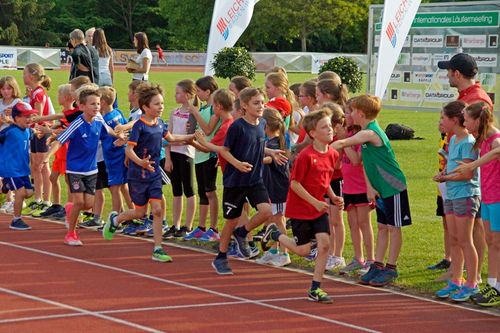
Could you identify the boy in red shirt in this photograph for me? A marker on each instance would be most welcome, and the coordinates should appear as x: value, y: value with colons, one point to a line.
x: 310, y: 180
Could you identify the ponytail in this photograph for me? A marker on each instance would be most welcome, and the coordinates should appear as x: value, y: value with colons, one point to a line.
x: 482, y: 112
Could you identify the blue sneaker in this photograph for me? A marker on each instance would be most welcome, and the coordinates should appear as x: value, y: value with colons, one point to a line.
x: 210, y: 236
x: 130, y: 229
x: 448, y: 290
x: 19, y: 224
x: 464, y: 293
x: 144, y: 227
x: 232, y: 251
x: 370, y: 275
x: 384, y: 278
x: 241, y: 244
x: 222, y: 267
x: 195, y: 234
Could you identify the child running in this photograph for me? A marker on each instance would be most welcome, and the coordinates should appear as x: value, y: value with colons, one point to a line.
x: 14, y: 147
x: 306, y: 207
x: 385, y: 181
x: 144, y: 177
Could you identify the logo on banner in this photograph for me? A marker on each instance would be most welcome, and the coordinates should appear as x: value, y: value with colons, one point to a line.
x: 396, y: 76
x: 391, y: 33
x: 436, y: 57
x: 485, y: 60
x: 474, y: 41
x: 440, y: 96
x: 423, y: 77
x: 226, y: 22
x: 421, y: 59
x: 411, y: 95
x: 428, y: 41
x: 404, y: 59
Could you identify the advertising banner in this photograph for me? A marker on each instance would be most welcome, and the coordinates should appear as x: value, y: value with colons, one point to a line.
x: 8, y: 58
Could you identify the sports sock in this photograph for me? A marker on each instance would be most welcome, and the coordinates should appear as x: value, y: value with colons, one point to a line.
x: 16, y: 218
x: 379, y: 265
x: 315, y: 285
x: 275, y: 235
x: 492, y: 282
x: 273, y: 251
x: 214, y: 230
x: 221, y: 255
x: 389, y: 266
x: 202, y: 229
x: 241, y: 231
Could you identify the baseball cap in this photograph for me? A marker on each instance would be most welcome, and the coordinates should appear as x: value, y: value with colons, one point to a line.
x: 22, y: 109
x: 461, y: 62
x: 282, y: 105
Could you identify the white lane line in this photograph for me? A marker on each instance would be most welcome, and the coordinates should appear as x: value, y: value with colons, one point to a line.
x: 174, y: 307
x: 79, y: 310
x: 180, y: 284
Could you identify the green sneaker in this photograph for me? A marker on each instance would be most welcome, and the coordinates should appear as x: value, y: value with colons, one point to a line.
x: 161, y: 256
x: 42, y: 207
x: 109, y: 228
x: 32, y: 206
x: 319, y: 296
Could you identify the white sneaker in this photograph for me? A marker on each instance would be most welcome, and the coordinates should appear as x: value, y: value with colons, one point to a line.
x: 5, y: 207
x: 267, y: 258
x: 281, y: 260
x: 334, y: 263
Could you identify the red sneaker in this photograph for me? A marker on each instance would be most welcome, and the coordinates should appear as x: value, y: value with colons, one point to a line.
x: 72, y: 239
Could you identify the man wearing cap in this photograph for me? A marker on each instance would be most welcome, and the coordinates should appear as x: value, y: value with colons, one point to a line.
x: 462, y: 69
x: 15, y: 148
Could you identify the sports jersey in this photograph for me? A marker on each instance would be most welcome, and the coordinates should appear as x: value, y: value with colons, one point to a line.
x: 354, y: 178
x: 15, y: 148
x: 314, y: 171
x: 38, y: 95
x: 276, y: 176
x: 147, y: 141
x: 246, y: 143
x: 135, y: 114
x: 111, y: 152
x: 380, y: 165
x: 219, y: 139
x: 490, y: 174
x: 206, y: 113
x: 474, y: 94
x: 179, y: 119
x: 83, y: 140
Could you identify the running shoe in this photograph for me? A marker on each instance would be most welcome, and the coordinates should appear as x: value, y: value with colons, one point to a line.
x: 54, y: 209
x: 109, y: 228
x: 464, y: 293
x: 182, y: 232
x: 448, y: 290
x: 60, y: 216
x: 372, y: 273
x: 131, y: 227
x: 170, y: 234
x: 443, y: 264
x: 320, y: 296
x: 258, y: 236
x: 312, y: 254
x: 195, y: 234
x: 270, y: 233
x: 335, y: 263
x: 72, y: 239
x: 254, y: 251
x: 144, y: 227
x: 91, y: 224
x: 42, y: 207
x: 267, y: 258
x: 281, y: 260
x: 19, y: 224
x: 384, y: 278
x: 221, y: 267
x: 6, y: 205
x: 210, y: 236
x: 242, y: 245
x: 487, y: 297
x: 161, y: 256
x: 353, y: 266
x: 233, y: 251
x: 32, y: 206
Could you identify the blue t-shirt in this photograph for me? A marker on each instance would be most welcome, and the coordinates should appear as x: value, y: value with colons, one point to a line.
x: 111, y: 152
x: 459, y: 151
x: 276, y: 177
x: 15, y: 151
x: 83, y: 140
x: 147, y: 140
x: 246, y: 143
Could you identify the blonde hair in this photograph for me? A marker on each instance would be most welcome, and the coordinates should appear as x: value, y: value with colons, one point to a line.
x: 481, y: 111
x: 329, y: 75
x: 38, y: 74
x: 247, y: 94
x: 108, y: 94
x: 225, y: 98
x: 79, y: 81
x: 275, y: 123
x: 189, y: 87
x: 11, y: 81
x: 85, y: 91
x: 277, y: 69
x: 309, y: 88
x: 64, y: 90
x: 280, y: 81
x: 241, y: 82
x: 368, y: 104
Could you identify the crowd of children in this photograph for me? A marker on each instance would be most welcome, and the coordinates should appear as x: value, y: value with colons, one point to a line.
x: 300, y: 159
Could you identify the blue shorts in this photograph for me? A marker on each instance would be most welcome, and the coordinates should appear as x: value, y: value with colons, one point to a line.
x: 491, y: 213
x: 142, y: 192
x: 117, y: 172
x: 15, y: 183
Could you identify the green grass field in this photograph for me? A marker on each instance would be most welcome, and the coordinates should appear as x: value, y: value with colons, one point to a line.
x: 423, y: 243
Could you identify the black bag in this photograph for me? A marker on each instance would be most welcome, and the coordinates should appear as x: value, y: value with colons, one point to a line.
x: 399, y: 132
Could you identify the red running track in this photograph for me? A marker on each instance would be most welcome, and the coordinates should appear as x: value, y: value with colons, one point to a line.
x: 46, y: 286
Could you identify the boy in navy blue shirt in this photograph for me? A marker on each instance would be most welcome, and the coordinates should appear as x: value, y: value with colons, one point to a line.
x: 83, y: 135
x: 144, y: 176
x: 15, y: 148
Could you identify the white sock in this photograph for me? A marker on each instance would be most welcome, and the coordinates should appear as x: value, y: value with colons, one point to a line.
x: 157, y: 248
x: 492, y: 282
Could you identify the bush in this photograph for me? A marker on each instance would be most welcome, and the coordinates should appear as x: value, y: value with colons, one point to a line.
x: 348, y: 71
x: 234, y: 61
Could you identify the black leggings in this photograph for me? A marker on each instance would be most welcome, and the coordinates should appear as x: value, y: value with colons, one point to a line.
x: 206, y: 177
x: 182, y: 175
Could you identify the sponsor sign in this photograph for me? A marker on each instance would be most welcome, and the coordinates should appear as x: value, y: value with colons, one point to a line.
x: 441, y: 77
x: 396, y: 77
x: 493, y: 41
x: 428, y: 41
x: 436, y: 57
x: 421, y: 59
x: 423, y: 77
x: 486, y: 60
x: 488, y: 79
x: 404, y: 59
x: 8, y: 58
x: 441, y: 96
x: 407, y: 42
x: 411, y: 95
x: 457, y: 19
x: 473, y: 41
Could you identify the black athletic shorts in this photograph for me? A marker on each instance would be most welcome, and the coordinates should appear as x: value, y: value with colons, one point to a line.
x: 234, y: 198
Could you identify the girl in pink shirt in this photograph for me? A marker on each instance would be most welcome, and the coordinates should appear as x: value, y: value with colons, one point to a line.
x: 356, y: 203
x: 479, y: 121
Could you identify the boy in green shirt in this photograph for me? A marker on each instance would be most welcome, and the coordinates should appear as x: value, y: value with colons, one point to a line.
x: 386, y: 186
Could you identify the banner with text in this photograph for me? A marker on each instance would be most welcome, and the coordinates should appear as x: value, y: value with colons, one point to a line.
x: 8, y: 58
x: 396, y: 22
x: 229, y: 21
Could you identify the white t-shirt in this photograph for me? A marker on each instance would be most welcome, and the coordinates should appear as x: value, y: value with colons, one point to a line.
x: 3, y: 107
x: 104, y: 72
x: 179, y: 118
x: 145, y: 54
